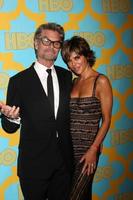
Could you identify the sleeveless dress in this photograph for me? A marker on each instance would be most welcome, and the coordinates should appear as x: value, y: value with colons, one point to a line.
x: 85, y: 118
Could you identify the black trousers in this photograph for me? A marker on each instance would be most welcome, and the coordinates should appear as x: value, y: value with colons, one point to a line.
x: 54, y: 187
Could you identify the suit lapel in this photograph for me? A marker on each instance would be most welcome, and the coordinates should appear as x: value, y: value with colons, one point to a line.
x: 36, y: 83
x: 38, y: 91
x: 61, y: 89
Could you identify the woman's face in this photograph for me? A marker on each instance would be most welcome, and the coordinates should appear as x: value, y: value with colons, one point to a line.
x: 77, y: 63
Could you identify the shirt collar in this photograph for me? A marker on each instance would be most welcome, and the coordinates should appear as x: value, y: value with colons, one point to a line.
x: 41, y: 69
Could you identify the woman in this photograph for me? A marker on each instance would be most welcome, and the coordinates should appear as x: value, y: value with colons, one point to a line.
x: 90, y: 106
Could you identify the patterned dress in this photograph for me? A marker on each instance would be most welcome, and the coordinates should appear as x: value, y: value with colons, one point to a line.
x: 85, y: 118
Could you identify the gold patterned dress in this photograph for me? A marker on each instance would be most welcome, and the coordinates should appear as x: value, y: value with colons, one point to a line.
x: 85, y: 118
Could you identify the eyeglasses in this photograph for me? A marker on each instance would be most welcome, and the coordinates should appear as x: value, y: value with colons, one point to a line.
x: 48, y: 42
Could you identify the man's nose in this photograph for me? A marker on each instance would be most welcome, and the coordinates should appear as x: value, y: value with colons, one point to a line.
x: 51, y: 45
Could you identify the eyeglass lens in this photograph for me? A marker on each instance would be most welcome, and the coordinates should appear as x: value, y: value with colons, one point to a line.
x: 47, y: 42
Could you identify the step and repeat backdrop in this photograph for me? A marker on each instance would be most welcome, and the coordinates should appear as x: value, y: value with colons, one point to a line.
x: 108, y: 27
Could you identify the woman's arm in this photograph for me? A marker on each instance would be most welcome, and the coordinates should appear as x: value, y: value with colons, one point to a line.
x: 104, y: 94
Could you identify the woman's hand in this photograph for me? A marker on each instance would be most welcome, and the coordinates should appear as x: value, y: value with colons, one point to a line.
x: 90, y: 160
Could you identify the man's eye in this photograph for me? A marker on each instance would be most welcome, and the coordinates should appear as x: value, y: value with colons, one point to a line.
x: 45, y: 39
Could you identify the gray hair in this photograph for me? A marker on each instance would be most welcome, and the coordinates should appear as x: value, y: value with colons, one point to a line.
x: 50, y: 26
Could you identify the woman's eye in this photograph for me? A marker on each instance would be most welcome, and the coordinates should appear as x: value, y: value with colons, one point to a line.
x: 69, y: 62
x: 77, y: 57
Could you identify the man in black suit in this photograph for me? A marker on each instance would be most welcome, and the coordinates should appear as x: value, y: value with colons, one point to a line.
x: 45, y: 149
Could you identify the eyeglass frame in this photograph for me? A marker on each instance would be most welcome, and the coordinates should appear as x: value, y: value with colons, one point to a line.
x: 50, y: 41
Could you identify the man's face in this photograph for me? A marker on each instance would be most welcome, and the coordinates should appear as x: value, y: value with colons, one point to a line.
x: 48, y: 46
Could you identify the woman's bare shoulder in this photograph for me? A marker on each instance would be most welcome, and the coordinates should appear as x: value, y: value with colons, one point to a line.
x: 103, y: 79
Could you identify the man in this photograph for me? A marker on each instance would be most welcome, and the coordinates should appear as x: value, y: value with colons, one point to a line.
x: 45, y: 150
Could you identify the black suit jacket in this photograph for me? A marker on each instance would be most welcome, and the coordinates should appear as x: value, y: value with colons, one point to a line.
x: 38, y: 125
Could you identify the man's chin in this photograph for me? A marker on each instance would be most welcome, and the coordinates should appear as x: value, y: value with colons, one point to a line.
x: 50, y: 58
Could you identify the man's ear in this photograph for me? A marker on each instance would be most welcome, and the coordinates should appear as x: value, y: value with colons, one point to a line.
x: 36, y: 44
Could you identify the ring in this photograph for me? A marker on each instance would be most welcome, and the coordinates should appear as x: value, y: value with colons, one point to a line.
x: 92, y: 165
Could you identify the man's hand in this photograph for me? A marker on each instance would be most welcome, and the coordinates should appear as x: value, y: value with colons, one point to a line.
x: 8, y: 111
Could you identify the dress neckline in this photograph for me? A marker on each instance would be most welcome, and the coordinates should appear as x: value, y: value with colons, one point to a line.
x: 83, y: 98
